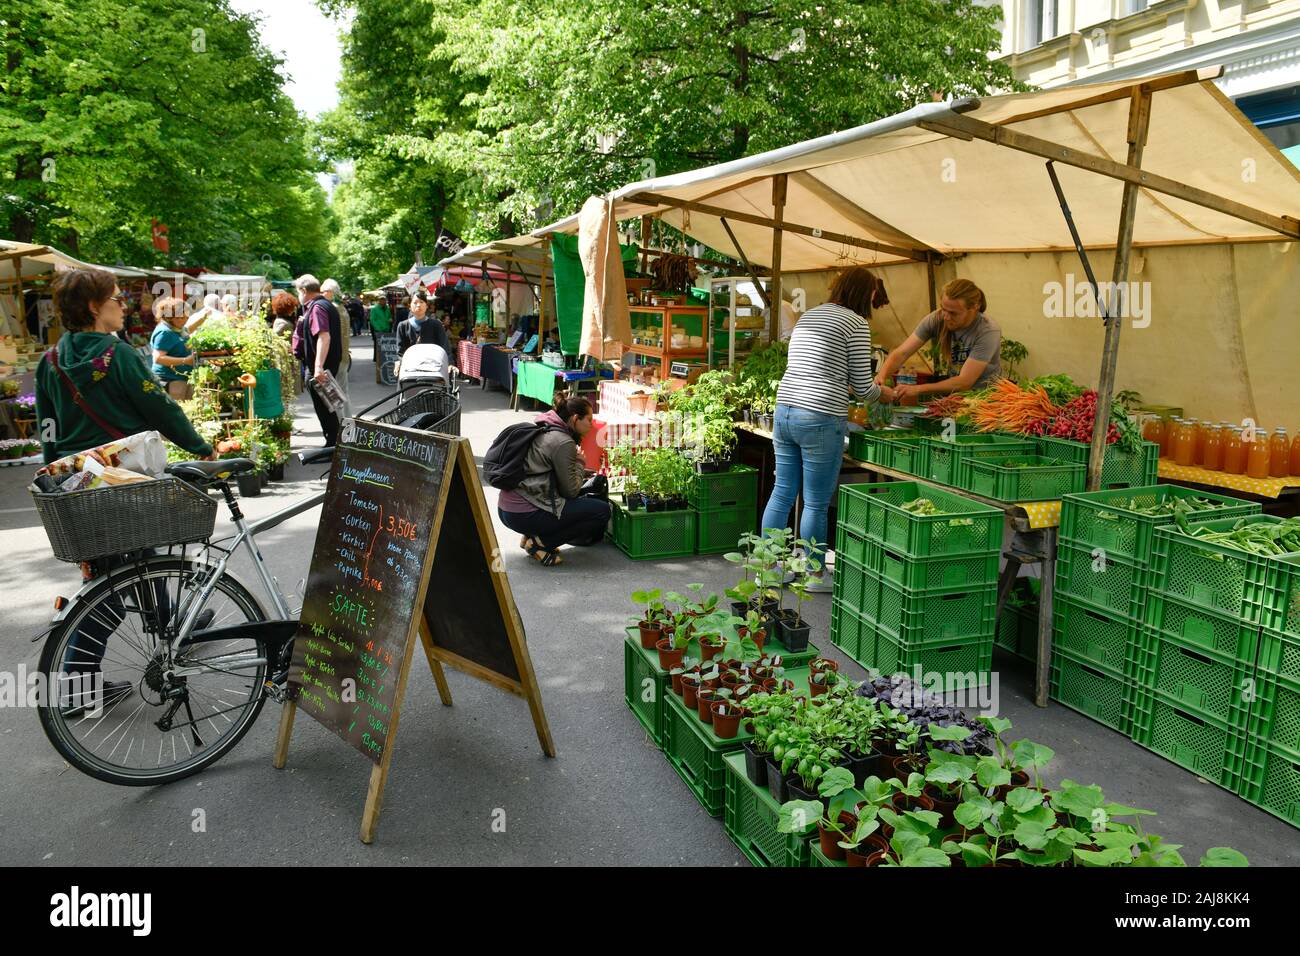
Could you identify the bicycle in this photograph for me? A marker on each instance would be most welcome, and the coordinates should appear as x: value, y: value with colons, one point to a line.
x: 181, y: 654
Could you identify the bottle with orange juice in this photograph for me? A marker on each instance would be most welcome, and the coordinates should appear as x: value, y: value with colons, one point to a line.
x: 1279, y: 454
x: 1167, y: 439
x: 1257, y: 454
x: 1153, y: 429
x: 1199, y: 430
x: 1213, y: 459
x: 1185, y: 443
x: 1295, y: 453
x: 1234, y: 453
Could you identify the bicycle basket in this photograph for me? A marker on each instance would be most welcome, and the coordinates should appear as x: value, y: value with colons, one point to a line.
x: 84, y: 525
x: 434, y: 401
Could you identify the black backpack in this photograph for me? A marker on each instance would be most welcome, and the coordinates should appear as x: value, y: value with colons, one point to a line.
x: 504, y: 464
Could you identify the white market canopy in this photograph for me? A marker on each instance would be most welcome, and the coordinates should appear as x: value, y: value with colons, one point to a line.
x: 969, y: 176
x: 37, y: 260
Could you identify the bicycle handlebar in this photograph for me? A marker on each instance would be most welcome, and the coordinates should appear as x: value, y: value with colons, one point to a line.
x: 316, y: 456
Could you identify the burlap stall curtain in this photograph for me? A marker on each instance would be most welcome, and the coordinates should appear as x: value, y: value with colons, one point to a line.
x: 605, y: 322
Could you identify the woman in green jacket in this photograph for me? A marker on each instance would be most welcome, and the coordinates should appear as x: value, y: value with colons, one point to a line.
x: 117, y: 391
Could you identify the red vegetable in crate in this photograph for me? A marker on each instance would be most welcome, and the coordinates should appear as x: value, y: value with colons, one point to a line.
x: 1075, y: 421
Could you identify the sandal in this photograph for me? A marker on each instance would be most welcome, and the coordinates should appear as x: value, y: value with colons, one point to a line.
x: 526, y: 542
x: 546, y: 559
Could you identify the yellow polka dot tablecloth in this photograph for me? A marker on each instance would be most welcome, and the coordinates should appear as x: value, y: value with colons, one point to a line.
x: 1265, y: 487
x: 1042, y: 514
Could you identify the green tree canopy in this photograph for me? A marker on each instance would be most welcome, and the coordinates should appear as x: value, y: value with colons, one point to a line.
x: 117, y: 112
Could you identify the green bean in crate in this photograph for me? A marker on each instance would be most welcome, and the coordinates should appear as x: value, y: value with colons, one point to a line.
x: 959, y: 526
x: 1123, y: 521
x: 1023, y: 478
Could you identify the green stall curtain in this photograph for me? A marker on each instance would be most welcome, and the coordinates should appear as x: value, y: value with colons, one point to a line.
x: 571, y: 286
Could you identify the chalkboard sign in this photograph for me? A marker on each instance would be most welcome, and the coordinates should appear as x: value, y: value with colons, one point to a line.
x: 386, y: 360
x: 367, y: 577
x: 402, y: 509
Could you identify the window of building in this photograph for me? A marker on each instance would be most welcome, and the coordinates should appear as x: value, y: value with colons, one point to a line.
x: 1041, y: 21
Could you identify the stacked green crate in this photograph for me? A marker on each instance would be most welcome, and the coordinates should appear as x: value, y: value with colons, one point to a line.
x: 645, y: 535
x: 914, y: 589
x: 1106, y: 657
x: 725, y: 505
x: 1119, y: 469
x: 947, y: 457
x: 1017, y: 632
x: 750, y: 818
x: 1224, y: 686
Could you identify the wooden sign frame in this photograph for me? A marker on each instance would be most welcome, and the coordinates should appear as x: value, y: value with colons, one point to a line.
x: 459, y: 469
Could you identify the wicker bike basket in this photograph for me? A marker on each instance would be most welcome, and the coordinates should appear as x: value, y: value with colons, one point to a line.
x: 84, y: 525
x: 433, y: 400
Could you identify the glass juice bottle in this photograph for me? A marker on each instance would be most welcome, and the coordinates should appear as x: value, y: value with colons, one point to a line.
x: 1234, y: 453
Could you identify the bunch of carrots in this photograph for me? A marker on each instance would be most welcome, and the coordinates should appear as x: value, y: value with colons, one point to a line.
x: 1010, y: 408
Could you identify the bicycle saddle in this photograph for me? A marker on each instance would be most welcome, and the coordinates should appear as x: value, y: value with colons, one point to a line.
x: 203, y: 471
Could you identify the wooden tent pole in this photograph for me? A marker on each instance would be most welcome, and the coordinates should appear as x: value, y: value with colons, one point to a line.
x: 778, y: 219
x: 645, y: 244
x: 1139, y: 118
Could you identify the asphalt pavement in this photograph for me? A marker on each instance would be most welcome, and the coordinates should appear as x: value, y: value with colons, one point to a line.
x: 608, y: 798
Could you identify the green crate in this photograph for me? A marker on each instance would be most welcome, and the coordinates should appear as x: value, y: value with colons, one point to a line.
x: 875, y: 511
x: 1191, y: 739
x: 643, y: 535
x: 696, y: 753
x: 1218, y: 577
x: 1108, y: 640
x: 1275, y: 712
x: 858, y: 446
x: 962, y: 663
x: 875, y: 446
x: 924, y: 617
x: 1281, y: 610
x: 772, y: 647
x: 947, y: 457
x: 1120, y: 469
x: 1106, y: 582
x: 1102, y: 519
x: 911, y: 456
x: 1023, y: 478
x: 1279, y: 655
x: 750, y: 819
x: 1206, y: 682
x: 1017, y: 632
x: 847, y: 627
x: 850, y: 586
x: 724, y: 489
x: 1198, y: 627
x: 850, y: 544
x: 718, y: 531
x: 1097, y: 692
x: 817, y: 858
x: 944, y: 573
x: 645, y: 687
x: 1272, y: 781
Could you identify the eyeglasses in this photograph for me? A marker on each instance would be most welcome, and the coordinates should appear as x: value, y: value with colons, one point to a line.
x: 121, y: 299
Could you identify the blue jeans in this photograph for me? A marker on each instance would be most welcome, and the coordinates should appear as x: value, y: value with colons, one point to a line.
x: 809, y: 450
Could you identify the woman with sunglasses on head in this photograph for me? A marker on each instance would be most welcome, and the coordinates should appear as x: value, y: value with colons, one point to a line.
x: 91, y: 388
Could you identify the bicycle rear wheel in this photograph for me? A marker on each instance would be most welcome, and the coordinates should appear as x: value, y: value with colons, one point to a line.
x: 113, y: 711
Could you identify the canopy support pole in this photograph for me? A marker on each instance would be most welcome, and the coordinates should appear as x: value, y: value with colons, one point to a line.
x: 745, y: 261
x: 1078, y: 242
x: 645, y: 244
x: 1139, y: 118
x: 778, y: 220
x: 541, y: 305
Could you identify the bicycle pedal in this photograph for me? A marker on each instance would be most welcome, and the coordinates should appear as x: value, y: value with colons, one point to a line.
x: 275, y: 692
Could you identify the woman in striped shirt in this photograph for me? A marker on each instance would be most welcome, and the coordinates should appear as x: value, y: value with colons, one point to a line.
x: 829, y: 357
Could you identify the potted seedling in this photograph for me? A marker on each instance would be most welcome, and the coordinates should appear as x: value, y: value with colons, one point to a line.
x: 726, y: 714
x: 741, y: 597
x: 912, y: 839
x: 704, y: 699
x: 833, y: 818
x: 695, y: 680
x: 650, y: 623
x: 673, y: 648
x: 679, y: 673
x: 947, y: 775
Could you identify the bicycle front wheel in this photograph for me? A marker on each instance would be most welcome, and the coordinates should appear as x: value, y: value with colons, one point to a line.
x: 128, y: 705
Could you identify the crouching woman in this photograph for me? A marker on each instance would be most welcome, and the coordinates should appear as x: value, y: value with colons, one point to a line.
x: 547, y: 507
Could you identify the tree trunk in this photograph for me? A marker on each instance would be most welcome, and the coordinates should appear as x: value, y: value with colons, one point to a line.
x: 740, y: 53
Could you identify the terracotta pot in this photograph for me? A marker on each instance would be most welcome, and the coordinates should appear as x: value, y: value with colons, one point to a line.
x: 769, y: 685
x: 876, y: 843
x: 669, y: 658
x: 943, y: 805
x: 902, y: 766
x: 1019, y: 778
x: 876, y: 859
x: 710, y: 651
x: 956, y: 858
x: 823, y: 665
x: 650, y: 635
x: 830, y: 840
x: 901, y: 802
x: 817, y: 689
x: 726, y: 719
x: 713, y: 683
x: 731, y: 680
x: 677, y: 683
x: 704, y: 704
x: 690, y: 691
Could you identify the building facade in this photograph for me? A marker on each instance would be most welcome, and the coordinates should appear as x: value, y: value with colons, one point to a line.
x: 1063, y: 42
